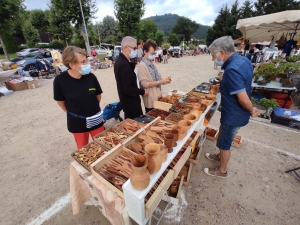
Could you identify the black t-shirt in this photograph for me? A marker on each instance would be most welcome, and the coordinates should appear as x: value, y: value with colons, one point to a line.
x: 165, y: 52
x: 80, y: 98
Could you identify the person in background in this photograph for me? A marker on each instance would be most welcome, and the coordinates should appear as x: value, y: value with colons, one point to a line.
x: 165, y: 55
x: 250, y: 54
x: 109, y: 55
x: 94, y: 53
x: 159, y: 54
x: 256, y: 48
x: 149, y: 76
x: 128, y: 87
x: 116, y: 53
x: 78, y: 93
x: 235, y: 99
x: 156, y: 56
x: 139, y: 54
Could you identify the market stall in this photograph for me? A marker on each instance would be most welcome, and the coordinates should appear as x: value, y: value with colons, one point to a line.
x: 167, y: 147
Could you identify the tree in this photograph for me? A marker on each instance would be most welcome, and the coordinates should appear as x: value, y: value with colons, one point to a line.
x: 264, y: 7
x: 184, y: 27
x: 159, y: 37
x: 147, y: 30
x: 173, y: 39
x: 9, y: 10
x: 63, y: 14
x: 92, y: 35
x: 246, y: 11
x: 39, y: 20
x: 107, y: 28
x: 129, y: 14
x: 31, y: 34
x: 225, y: 24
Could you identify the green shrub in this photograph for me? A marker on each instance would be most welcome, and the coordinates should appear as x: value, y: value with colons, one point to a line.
x: 56, y: 44
x: 166, y: 45
x: 191, y: 46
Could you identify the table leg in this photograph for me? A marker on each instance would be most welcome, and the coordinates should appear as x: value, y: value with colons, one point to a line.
x: 253, y: 89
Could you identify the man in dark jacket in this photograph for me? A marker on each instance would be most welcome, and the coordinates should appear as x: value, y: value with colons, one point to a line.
x: 127, y: 82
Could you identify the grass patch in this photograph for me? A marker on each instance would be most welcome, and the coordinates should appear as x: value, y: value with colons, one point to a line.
x: 12, y: 55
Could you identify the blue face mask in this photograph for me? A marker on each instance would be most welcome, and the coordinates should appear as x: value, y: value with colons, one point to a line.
x: 133, y: 54
x: 85, y: 69
x: 151, y: 57
x: 219, y: 63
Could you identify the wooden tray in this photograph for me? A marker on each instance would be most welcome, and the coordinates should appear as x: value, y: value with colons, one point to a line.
x: 187, y: 179
x: 104, y: 133
x: 101, y: 162
x: 197, y: 156
x: 174, y: 200
x: 181, y: 105
x: 162, y: 105
x: 174, y: 114
x: 81, y: 163
x: 131, y: 121
x: 165, y: 113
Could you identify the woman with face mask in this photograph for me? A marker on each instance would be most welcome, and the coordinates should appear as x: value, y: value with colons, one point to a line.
x: 78, y: 93
x: 149, y: 76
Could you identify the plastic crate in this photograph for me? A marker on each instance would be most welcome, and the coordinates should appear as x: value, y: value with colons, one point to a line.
x: 285, y: 121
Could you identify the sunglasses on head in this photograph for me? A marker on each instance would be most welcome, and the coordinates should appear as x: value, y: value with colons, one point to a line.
x: 135, y: 48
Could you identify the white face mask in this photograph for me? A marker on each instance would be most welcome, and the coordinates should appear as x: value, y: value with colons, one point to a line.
x: 133, y: 53
x: 151, y: 57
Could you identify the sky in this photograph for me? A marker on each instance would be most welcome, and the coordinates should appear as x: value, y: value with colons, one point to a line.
x: 202, y: 11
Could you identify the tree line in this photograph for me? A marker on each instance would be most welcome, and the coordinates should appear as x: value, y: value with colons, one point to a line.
x: 225, y: 22
x: 63, y: 24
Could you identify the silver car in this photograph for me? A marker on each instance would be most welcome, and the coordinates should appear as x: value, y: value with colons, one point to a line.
x: 100, y: 50
x: 26, y: 51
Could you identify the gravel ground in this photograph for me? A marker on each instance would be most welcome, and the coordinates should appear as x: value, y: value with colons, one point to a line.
x: 36, y: 148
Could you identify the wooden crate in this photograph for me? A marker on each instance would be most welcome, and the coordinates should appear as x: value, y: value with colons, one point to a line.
x: 187, y: 179
x: 101, y: 162
x: 102, y: 134
x: 181, y: 162
x: 81, y: 163
x: 214, y: 137
x: 156, y: 197
x: 196, y: 140
x: 162, y: 105
x: 238, y: 145
x: 197, y: 157
x: 174, y: 200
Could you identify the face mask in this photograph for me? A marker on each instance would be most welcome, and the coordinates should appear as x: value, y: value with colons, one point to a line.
x: 85, y: 69
x: 133, y: 53
x: 151, y: 57
x: 219, y: 63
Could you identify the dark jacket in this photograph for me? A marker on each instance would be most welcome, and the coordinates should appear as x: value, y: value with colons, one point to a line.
x: 129, y: 93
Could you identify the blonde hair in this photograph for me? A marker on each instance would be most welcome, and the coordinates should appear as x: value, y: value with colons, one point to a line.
x: 69, y: 56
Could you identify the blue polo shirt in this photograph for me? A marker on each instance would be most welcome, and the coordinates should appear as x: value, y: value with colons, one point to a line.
x: 237, y: 78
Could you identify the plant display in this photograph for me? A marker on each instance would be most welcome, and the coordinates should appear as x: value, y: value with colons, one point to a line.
x: 268, y: 104
x: 294, y: 58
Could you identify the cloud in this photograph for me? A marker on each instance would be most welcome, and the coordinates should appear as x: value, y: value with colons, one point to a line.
x: 202, y: 11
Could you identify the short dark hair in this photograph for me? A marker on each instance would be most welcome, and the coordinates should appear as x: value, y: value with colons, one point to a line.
x: 251, y: 51
x: 149, y: 43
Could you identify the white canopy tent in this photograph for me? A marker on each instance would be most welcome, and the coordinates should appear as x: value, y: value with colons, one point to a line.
x: 269, y: 27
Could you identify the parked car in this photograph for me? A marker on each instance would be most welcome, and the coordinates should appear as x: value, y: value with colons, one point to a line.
x: 28, y: 63
x: 30, y: 55
x: 174, y: 51
x: 100, y: 49
x: 26, y: 51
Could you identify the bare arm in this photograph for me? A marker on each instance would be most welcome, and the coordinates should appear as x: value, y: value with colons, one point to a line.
x: 98, y: 98
x: 246, y: 103
x: 62, y: 105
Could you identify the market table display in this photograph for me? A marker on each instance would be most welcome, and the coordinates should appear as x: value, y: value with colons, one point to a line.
x: 111, y: 173
x: 274, y: 87
x: 5, y: 75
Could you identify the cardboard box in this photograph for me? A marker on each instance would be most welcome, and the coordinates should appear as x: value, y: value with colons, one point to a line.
x: 16, y: 87
x: 32, y: 84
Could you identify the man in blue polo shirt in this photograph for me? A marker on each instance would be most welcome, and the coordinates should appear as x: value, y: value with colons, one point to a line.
x: 237, y: 107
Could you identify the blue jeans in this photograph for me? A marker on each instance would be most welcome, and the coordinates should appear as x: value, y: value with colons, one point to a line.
x: 226, y: 136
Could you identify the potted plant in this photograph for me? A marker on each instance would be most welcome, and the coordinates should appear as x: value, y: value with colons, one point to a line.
x: 268, y: 104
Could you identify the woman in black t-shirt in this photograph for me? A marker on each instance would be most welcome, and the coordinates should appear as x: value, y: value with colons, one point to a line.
x: 78, y: 92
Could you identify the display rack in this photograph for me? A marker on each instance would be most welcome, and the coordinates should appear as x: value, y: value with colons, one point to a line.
x: 135, y: 200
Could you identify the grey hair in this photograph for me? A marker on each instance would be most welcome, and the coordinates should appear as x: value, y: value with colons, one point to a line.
x: 223, y: 43
x: 127, y: 41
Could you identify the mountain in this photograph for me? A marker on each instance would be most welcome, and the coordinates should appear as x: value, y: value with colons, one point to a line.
x: 166, y: 22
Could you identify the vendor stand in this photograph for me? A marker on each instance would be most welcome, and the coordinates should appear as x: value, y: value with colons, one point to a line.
x: 118, y: 204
